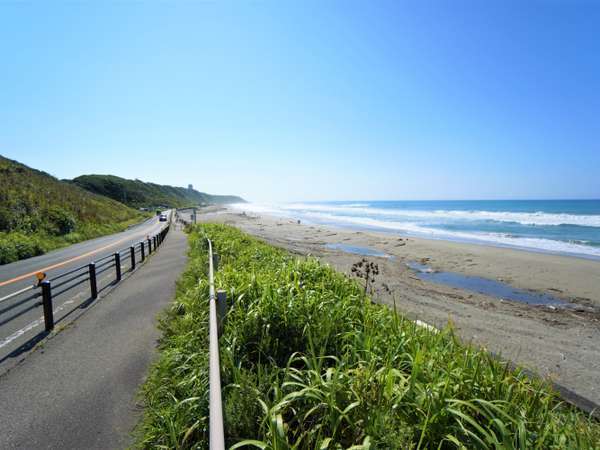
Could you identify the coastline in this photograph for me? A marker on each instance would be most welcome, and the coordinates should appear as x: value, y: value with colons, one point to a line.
x: 554, y: 343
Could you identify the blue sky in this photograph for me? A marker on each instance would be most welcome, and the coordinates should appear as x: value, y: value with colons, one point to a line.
x: 281, y: 101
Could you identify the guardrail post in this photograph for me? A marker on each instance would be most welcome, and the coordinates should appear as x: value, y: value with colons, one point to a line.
x: 47, y: 302
x: 149, y: 246
x: 221, y: 309
x: 143, y: 253
x: 132, y: 255
x: 118, y: 265
x: 93, y: 285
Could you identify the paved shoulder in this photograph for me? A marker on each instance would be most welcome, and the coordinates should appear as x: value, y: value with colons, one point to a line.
x: 79, y: 390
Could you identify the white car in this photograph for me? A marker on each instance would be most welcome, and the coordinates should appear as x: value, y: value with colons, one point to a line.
x: 162, y: 218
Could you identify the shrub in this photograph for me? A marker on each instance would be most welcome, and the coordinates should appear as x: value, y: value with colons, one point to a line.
x: 59, y: 221
x: 5, y: 219
x: 16, y: 246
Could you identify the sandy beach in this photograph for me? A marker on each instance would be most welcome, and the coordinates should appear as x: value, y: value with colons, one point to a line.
x: 559, y: 344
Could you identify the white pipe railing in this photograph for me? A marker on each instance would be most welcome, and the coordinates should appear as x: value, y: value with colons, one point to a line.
x: 216, y: 433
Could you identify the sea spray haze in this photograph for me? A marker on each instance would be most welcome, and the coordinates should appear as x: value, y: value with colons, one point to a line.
x: 558, y: 226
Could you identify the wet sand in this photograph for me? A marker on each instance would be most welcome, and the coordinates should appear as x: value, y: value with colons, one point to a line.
x: 559, y: 344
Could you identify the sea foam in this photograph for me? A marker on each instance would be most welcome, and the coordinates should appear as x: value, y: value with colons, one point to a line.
x: 523, y: 218
x: 415, y: 224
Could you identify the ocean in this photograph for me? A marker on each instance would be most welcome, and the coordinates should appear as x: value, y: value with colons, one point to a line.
x: 557, y: 226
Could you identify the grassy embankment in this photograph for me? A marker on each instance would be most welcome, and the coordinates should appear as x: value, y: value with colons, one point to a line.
x: 39, y: 213
x: 309, y: 362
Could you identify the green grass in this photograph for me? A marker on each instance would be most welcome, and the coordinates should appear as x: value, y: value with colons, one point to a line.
x: 307, y: 361
x: 39, y: 213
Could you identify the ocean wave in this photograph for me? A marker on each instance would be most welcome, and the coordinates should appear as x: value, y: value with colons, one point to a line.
x: 357, y: 205
x: 489, y: 238
x: 324, y: 214
x: 256, y: 208
x: 524, y: 218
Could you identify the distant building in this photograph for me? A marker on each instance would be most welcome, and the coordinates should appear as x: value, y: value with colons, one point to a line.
x: 190, y: 187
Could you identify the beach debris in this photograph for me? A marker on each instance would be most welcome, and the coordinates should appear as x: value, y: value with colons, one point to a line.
x: 425, y: 325
x: 386, y: 288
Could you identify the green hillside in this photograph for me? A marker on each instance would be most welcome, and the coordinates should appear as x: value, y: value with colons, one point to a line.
x: 139, y: 194
x: 39, y: 213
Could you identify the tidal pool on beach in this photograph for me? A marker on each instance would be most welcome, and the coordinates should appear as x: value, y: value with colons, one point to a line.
x: 357, y: 250
x: 485, y: 286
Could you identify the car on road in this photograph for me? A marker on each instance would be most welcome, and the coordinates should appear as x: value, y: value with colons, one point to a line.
x: 162, y: 218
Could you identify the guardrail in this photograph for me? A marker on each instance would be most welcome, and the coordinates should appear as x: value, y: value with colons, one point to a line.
x: 215, y: 432
x: 216, y: 316
x: 120, y: 261
x: 181, y: 220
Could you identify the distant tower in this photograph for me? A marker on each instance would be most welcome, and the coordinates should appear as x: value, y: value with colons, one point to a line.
x: 190, y: 187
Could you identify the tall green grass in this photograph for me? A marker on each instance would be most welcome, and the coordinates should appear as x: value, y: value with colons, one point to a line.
x: 39, y: 213
x: 309, y: 362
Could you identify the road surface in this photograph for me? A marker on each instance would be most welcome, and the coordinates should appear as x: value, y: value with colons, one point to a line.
x: 21, y: 322
x: 79, y: 390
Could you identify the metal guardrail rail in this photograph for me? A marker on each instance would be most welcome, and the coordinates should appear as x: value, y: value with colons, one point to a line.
x: 215, y: 431
x: 217, y: 306
x: 126, y: 258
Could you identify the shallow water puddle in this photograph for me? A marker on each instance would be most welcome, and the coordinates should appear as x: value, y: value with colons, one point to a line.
x: 485, y: 286
x: 355, y: 249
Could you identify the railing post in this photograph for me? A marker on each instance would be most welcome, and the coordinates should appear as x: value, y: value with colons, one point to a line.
x: 118, y: 265
x: 47, y: 302
x: 149, y: 246
x: 142, y: 247
x: 221, y: 309
x: 93, y: 285
x: 132, y: 255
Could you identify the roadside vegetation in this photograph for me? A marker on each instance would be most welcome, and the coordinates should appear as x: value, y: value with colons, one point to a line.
x: 39, y: 213
x: 309, y: 362
x: 138, y: 194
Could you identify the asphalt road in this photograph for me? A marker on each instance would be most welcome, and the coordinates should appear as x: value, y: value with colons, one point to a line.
x: 21, y: 321
x: 78, y: 391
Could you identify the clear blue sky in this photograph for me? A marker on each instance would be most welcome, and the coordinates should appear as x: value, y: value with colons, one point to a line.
x: 295, y: 100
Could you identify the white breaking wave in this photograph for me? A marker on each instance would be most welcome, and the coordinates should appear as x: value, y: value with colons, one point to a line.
x: 492, y: 238
x: 524, y: 218
x: 320, y: 214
